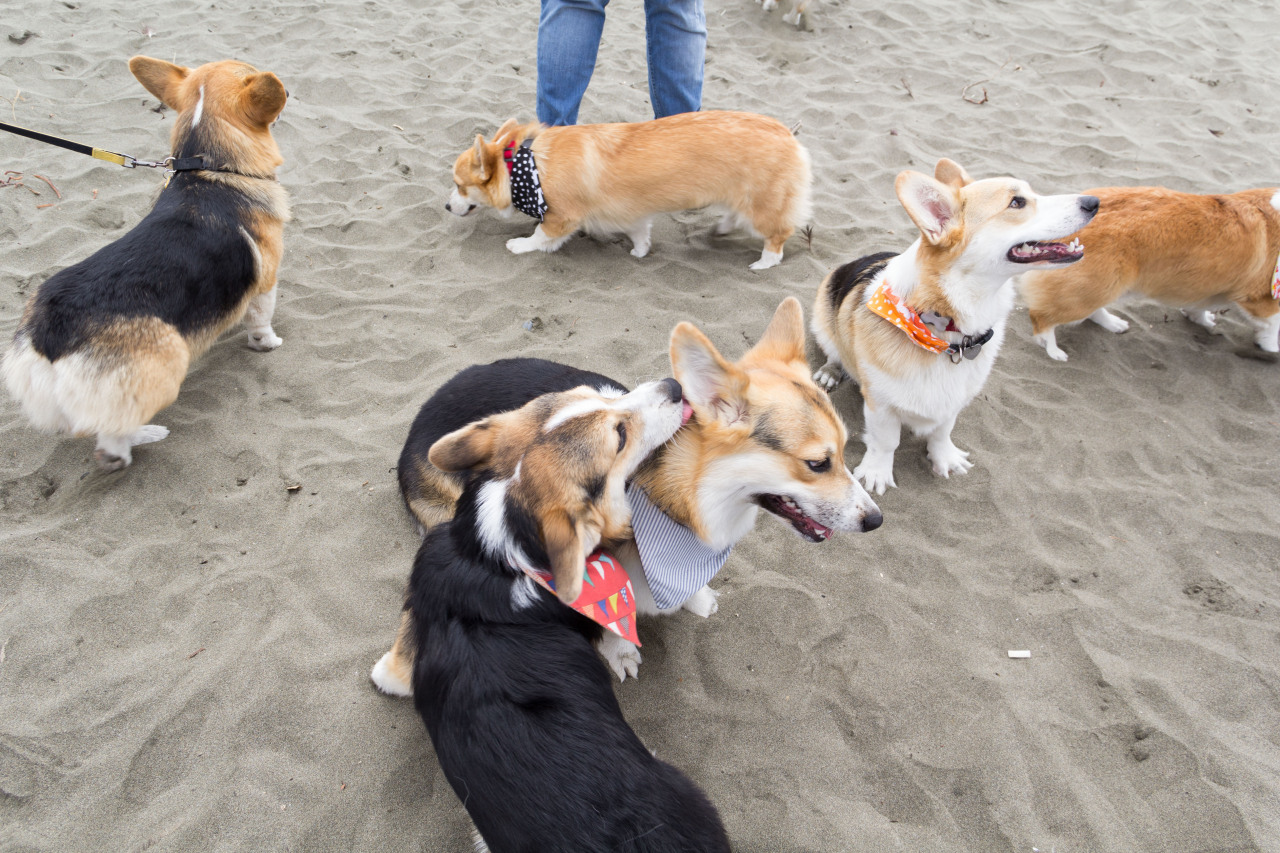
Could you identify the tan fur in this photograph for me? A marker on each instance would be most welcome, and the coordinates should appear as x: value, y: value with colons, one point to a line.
x: 1182, y: 249
x: 613, y: 176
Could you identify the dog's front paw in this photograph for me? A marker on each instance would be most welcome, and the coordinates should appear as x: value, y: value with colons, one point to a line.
x: 623, y: 656
x: 769, y: 5
x: 521, y: 245
x: 829, y: 375
x: 875, y: 473
x: 767, y: 260
x: 948, y: 459
x: 264, y: 341
x: 387, y: 681
x: 703, y: 602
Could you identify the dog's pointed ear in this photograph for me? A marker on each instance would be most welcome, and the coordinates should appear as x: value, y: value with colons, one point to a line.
x: 478, y: 153
x: 567, y: 554
x: 464, y: 448
x: 783, y: 340
x: 714, y: 388
x: 160, y: 78
x: 952, y: 174
x: 932, y: 205
x: 262, y: 97
x: 508, y: 129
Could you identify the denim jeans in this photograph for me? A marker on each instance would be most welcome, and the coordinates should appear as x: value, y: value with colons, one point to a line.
x: 569, y: 36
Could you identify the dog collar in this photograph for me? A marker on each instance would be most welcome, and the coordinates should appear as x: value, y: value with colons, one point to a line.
x: 526, y: 189
x: 1275, y: 281
x: 676, y: 562
x: 607, y: 596
x: 920, y: 328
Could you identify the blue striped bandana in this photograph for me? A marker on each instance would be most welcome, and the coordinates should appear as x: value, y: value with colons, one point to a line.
x: 676, y: 562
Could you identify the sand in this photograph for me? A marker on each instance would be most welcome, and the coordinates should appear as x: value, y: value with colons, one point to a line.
x: 185, y: 646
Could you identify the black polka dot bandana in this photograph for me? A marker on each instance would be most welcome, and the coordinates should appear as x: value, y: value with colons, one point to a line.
x: 526, y: 189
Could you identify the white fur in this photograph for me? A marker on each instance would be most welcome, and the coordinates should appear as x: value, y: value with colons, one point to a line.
x: 538, y: 241
x: 386, y: 681
x: 257, y: 320
x: 195, y: 117
x: 767, y: 259
x: 459, y: 204
x: 574, y: 410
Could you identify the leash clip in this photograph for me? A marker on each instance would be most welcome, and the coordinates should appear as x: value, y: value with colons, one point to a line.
x: 131, y: 162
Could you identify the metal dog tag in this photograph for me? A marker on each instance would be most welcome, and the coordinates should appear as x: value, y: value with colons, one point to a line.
x: 971, y: 351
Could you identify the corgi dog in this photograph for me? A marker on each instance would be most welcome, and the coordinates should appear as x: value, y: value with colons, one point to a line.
x: 920, y: 331
x: 760, y: 435
x: 1194, y: 252
x: 104, y: 344
x: 799, y: 8
x: 520, y: 709
x: 608, y: 178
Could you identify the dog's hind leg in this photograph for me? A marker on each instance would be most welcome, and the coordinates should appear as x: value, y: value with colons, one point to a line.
x: 393, y: 673
x: 116, y: 451
x: 639, y: 234
x: 1264, y: 315
x: 257, y: 319
x: 1109, y: 321
x: 1049, y: 341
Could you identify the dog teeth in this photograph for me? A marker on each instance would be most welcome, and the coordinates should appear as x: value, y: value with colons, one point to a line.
x: 1076, y: 245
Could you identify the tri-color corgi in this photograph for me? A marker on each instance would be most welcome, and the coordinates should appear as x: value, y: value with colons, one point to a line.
x: 1194, y: 252
x: 104, y: 344
x: 519, y: 707
x: 919, y: 331
x: 609, y: 178
x: 760, y: 434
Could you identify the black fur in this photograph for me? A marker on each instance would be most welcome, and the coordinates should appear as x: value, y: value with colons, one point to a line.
x: 519, y: 707
x: 855, y: 274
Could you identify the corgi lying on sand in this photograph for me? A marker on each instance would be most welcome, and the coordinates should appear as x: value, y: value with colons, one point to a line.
x: 519, y: 707
x: 105, y: 344
x: 609, y: 178
x: 760, y: 435
x: 1194, y: 252
x: 919, y: 332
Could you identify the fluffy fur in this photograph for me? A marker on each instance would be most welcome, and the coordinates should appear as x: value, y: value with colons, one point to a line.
x: 519, y: 707
x: 973, y: 237
x: 762, y: 435
x: 1195, y: 252
x: 616, y: 177
x: 104, y: 344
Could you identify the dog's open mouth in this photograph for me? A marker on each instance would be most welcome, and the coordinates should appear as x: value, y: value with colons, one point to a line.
x: 1052, y: 253
x: 686, y: 411
x: 784, y: 507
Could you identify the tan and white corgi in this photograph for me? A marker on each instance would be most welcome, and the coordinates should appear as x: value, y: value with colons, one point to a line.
x: 104, y: 344
x: 1194, y: 252
x: 760, y: 435
x: 919, y: 331
x: 610, y: 178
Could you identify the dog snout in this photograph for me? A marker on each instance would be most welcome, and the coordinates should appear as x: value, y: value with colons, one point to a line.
x: 872, y: 520
x: 1089, y: 204
x: 674, y: 392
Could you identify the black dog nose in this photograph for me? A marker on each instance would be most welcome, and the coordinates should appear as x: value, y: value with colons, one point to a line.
x: 872, y: 520
x: 447, y: 207
x: 674, y: 392
x: 1089, y: 203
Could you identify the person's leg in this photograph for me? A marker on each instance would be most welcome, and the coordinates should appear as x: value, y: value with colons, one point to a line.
x: 568, y: 38
x: 676, y: 33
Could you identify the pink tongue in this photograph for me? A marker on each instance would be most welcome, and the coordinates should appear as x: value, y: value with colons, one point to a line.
x: 685, y: 413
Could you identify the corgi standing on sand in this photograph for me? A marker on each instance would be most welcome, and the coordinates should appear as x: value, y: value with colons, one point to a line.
x: 919, y: 332
x: 105, y: 344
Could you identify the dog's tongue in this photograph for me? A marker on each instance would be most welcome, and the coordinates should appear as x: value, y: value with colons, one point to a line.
x: 686, y: 412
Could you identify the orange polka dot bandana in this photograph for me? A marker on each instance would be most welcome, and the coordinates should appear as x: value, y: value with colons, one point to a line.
x: 887, y: 304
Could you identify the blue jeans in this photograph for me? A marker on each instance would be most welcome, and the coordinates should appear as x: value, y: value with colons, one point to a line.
x: 569, y: 36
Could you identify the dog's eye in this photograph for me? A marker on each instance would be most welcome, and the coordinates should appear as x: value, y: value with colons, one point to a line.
x: 1017, y: 202
x: 622, y: 436
x: 818, y: 466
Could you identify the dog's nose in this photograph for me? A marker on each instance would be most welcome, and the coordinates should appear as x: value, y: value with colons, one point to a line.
x: 674, y: 392
x: 872, y: 520
x: 1089, y: 203
x: 447, y: 207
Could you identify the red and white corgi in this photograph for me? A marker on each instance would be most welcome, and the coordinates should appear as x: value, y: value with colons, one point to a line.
x: 610, y: 178
x: 920, y: 331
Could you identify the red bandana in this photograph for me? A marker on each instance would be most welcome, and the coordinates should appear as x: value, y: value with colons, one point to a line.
x: 1275, y: 281
x: 607, y: 596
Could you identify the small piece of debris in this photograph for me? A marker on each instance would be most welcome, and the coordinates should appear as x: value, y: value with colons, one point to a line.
x: 22, y: 37
x: 196, y: 652
x: 1019, y: 653
x: 292, y: 487
x: 534, y: 325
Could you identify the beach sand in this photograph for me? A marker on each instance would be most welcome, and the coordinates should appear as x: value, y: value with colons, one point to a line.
x: 185, y: 646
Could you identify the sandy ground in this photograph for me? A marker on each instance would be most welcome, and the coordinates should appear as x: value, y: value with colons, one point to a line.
x: 185, y: 646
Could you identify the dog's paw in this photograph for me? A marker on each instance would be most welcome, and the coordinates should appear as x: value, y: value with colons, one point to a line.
x: 623, y: 656
x: 1204, y: 319
x: 875, y: 475
x: 387, y: 681
x: 767, y: 260
x: 829, y: 375
x: 640, y: 250
x: 1055, y: 352
x: 769, y: 5
x: 792, y: 18
x: 521, y: 245
x: 147, y: 434
x: 948, y: 459
x: 1112, y: 323
x: 108, y: 461
x: 264, y: 341
x: 703, y: 602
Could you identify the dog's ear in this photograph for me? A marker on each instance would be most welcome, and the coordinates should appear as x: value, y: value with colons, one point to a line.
x: 478, y: 153
x: 160, y: 78
x: 567, y: 553
x: 783, y: 340
x: 715, y: 388
x: 464, y: 448
x: 508, y: 129
x: 262, y: 97
x: 952, y: 174
x: 931, y: 205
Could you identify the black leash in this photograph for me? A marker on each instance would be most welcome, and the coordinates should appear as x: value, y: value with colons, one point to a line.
x: 172, y: 164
